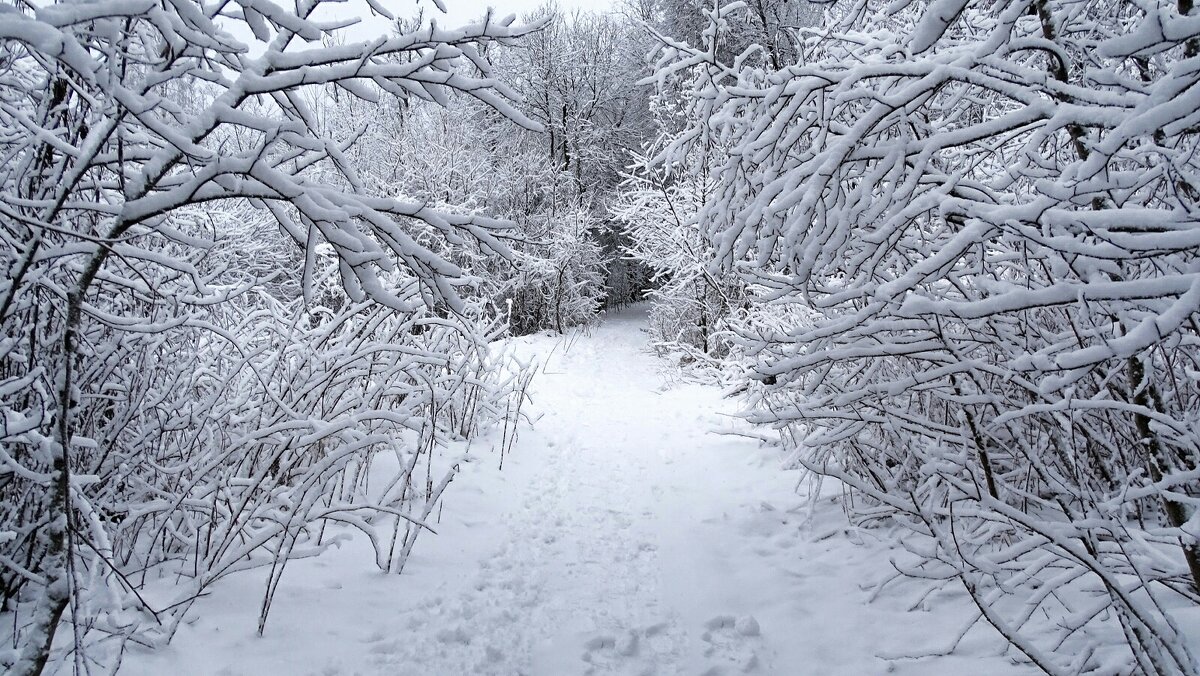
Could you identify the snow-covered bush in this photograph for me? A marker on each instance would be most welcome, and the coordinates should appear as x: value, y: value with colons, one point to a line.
x: 691, y: 305
x: 978, y: 217
x: 212, y: 326
x: 476, y: 160
x: 562, y: 273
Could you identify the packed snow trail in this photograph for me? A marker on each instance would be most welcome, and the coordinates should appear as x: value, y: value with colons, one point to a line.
x: 634, y: 529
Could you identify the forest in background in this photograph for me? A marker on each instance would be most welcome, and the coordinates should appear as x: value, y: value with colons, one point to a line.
x: 945, y: 251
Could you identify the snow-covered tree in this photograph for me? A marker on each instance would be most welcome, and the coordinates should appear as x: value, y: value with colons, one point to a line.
x: 212, y: 323
x: 473, y: 159
x: 665, y: 190
x: 977, y: 219
x: 579, y: 79
x: 691, y: 303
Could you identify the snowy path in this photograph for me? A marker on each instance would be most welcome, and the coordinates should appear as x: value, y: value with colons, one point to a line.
x: 604, y: 564
x: 624, y: 536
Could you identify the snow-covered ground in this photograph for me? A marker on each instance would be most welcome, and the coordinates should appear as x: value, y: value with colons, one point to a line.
x: 632, y: 530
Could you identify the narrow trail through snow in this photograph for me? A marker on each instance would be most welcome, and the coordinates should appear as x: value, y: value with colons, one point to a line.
x: 634, y: 529
x: 600, y: 567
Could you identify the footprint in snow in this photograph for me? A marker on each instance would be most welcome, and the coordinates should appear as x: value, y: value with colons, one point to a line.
x: 456, y: 635
x: 732, y: 644
x: 635, y: 652
x: 601, y: 655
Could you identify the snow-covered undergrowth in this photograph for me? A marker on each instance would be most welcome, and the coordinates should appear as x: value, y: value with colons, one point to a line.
x: 244, y: 437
